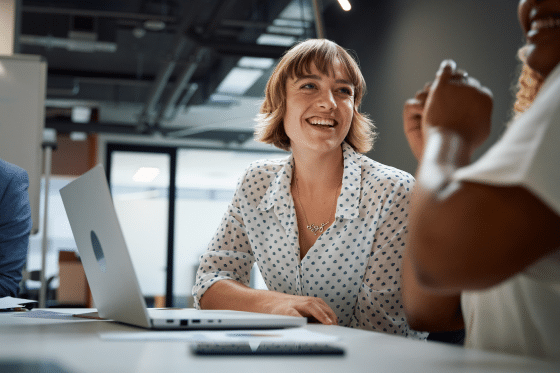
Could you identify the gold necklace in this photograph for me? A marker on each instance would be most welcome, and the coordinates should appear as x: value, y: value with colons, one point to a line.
x: 311, y: 226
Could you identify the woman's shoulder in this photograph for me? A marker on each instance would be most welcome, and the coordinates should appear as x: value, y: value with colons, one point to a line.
x: 262, y: 180
x: 261, y: 174
x: 267, y: 166
x: 376, y: 171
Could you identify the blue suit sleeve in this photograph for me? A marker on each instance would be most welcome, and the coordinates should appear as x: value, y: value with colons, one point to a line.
x: 15, y: 227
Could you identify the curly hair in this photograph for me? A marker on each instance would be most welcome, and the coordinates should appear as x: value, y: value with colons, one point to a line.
x: 297, y: 62
x: 528, y: 85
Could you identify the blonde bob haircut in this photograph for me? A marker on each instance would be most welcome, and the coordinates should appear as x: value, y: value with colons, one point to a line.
x: 296, y: 63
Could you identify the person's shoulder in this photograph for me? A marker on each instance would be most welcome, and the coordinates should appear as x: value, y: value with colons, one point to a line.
x: 11, y: 172
x: 13, y: 184
x: 270, y: 166
x: 376, y: 171
x: 259, y: 177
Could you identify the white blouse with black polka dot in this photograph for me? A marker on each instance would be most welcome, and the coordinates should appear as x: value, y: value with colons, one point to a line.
x: 354, y: 266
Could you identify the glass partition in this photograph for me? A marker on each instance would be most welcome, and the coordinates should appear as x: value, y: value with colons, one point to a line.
x: 140, y: 191
x: 206, y: 181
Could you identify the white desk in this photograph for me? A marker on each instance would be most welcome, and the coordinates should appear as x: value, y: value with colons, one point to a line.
x: 75, y: 345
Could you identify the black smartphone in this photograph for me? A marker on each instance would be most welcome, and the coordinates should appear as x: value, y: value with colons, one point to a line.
x: 266, y: 349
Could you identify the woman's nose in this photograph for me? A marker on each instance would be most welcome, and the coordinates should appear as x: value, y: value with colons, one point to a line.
x: 326, y: 100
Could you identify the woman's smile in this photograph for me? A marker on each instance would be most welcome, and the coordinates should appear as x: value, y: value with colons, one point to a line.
x: 322, y: 122
x: 319, y: 109
x: 540, y: 21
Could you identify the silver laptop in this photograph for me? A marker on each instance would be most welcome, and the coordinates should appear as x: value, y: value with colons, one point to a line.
x: 110, y: 273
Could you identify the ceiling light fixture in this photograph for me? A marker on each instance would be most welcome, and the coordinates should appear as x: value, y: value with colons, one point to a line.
x: 239, y: 80
x: 154, y: 25
x: 279, y: 40
x: 345, y: 5
x: 255, y: 62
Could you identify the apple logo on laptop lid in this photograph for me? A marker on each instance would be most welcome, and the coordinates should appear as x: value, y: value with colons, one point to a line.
x: 98, y: 251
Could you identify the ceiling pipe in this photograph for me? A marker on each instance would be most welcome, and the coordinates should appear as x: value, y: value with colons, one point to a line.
x: 260, y: 24
x: 189, y: 92
x: 69, y: 44
x: 150, y: 117
x: 97, y: 13
x: 210, y: 133
x: 67, y: 126
x: 220, y: 13
x: 182, y: 82
x: 149, y: 114
x: 239, y: 49
x: 319, y: 29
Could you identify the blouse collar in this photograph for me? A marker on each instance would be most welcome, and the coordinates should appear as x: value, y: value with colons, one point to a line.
x: 279, y: 195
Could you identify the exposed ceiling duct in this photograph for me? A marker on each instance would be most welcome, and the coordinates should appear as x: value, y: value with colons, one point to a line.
x: 144, y: 65
x: 76, y: 45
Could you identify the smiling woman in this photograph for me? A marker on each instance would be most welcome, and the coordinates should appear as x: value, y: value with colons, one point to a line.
x: 323, y: 56
x: 326, y: 103
x: 326, y: 225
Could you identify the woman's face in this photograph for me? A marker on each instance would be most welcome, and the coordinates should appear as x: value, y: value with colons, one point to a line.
x: 319, y: 109
x: 540, y: 21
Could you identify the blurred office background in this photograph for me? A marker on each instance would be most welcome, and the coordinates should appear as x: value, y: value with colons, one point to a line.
x: 164, y: 92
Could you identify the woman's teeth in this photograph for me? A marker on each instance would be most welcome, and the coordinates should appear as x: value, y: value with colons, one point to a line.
x: 322, y: 122
x: 545, y: 23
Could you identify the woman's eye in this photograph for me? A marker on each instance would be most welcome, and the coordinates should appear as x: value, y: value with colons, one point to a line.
x: 346, y: 91
x: 308, y: 85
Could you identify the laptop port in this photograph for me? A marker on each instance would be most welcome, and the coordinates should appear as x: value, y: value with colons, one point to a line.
x: 195, y: 321
x: 184, y: 322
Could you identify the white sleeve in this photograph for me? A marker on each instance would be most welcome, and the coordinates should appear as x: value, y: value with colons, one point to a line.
x: 529, y: 152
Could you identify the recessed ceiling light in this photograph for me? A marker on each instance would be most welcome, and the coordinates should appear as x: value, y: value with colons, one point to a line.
x: 290, y: 23
x: 281, y: 40
x: 285, y: 30
x: 239, y: 80
x: 255, y: 62
x: 154, y: 25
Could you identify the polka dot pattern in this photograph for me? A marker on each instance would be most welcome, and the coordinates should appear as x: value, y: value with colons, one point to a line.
x: 354, y: 266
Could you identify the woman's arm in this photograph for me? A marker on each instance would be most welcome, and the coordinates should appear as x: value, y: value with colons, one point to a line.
x: 232, y: 295
x: 475, y: 235
x: 426, y: 310
x: 479, y: 236
x: 223, y: 275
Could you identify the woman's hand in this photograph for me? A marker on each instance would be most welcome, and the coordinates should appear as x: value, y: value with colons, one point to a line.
x: 412, y: 119
x: 459, y: 103
x: 314, y: 308
x: 231, y: 295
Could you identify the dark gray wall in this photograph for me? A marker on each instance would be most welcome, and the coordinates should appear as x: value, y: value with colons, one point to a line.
x: 400, y: 44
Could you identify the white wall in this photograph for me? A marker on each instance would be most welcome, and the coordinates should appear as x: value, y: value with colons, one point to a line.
x: 7, y: 26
